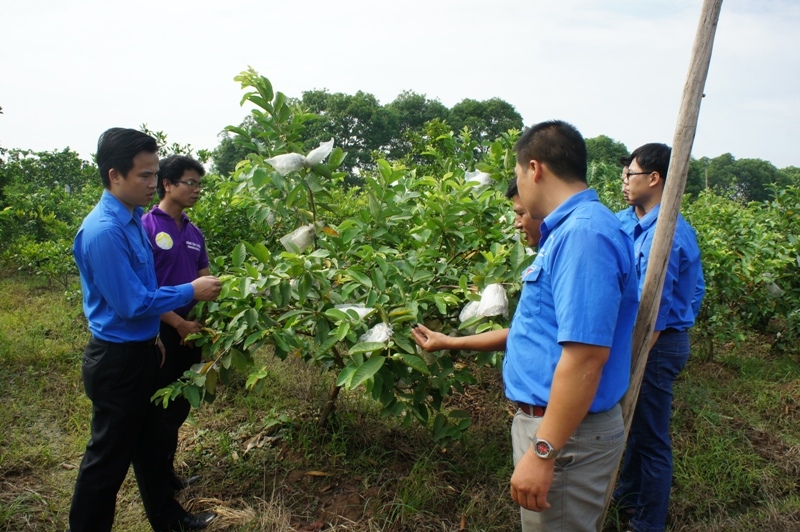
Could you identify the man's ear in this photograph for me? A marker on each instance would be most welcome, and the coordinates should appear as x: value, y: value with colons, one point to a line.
x: 537, y: 169
x: 114, y: 176
x: 655, y: 179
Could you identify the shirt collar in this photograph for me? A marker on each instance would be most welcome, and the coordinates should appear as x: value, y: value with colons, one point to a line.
x: 118, y: 209
x: 650, y: 218
x: 157, y: 211
x: 561, y: 212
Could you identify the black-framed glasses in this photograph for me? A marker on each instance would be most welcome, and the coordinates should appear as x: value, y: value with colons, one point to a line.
x: 191, y: 183
x: 627, y: 175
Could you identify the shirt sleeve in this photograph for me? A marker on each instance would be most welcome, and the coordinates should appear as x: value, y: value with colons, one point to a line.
x: 117, y: 270
x: 668, y: 292
x: 699, y: 293
x: 588, y: 279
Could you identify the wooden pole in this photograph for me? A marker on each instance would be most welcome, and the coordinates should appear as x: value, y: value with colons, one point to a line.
x: 670, y: 208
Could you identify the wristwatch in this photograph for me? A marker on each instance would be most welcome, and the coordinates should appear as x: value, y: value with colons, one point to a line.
x: 544, y: 449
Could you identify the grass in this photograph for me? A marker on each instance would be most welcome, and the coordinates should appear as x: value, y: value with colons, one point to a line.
x: 265, y: 464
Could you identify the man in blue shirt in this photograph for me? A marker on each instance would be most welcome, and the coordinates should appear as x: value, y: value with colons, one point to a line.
x: 568, y: 350
x: 630, y: 215
x: 646, y: 475
x: 123, y: 304
x: 527, y: 226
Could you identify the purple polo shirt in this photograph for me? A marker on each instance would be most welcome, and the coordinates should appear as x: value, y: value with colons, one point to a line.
x: 179, y: 253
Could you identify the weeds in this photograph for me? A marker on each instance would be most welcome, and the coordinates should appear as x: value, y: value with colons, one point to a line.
x: 265, y: 464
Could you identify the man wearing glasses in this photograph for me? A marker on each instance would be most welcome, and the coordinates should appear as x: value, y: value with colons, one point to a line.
x: 646, y: 476
x: 631, y: 214
x: 179, y: 250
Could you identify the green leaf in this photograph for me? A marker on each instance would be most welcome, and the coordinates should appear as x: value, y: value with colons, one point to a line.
x: 345, y: 375
x: 326, y: 345
x: 294, y: 195
x: 239, y: 253
x: 259, y: 177
x: 192, y: 394
x: 342, y: 330
x: 253, y: 337
x: 403, y: 343
x: 211, y: 381
x: 251, y: 317
x: 240, y: 361
x: 252, y: 271
x: 337, y: 315
x: 366, y: 371
x: 416, y: 362
x: 259, y: 251
x: 360, y: 277
x: 366, y: 347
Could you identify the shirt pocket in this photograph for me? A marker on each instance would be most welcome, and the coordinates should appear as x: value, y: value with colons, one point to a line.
x: 531, y: 299
x: 142, y: 262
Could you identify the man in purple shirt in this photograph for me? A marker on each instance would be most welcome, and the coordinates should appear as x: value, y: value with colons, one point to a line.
x: 179, y: 250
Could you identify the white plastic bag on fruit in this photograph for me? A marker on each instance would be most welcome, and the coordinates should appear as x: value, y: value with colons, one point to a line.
x: 298, y: 240
x: 482, y: 178
x: 287, y: 163
x: 469, y: 311
x: 494, y: 301
x: 379, y: 333
x: 318, y: 154
x: 291, y: 162
x: 359, y: 309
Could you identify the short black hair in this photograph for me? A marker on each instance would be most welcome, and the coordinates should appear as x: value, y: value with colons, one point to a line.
x: 116, y: 149
x: 625, y: 161
x: 557, y: 144
x: 172, y: 169
x: 653, y: 157
x: 512, y: 189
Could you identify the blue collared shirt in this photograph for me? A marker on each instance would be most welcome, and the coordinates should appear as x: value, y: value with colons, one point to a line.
x: 121, y: 299
x: 628, y: 219
x: 684, y: 286
x: 581, y: 287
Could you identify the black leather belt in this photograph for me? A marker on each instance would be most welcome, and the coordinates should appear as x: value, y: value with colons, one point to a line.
x: 670, y: 330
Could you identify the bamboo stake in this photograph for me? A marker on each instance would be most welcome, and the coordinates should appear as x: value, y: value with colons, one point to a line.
x: 670, y: 208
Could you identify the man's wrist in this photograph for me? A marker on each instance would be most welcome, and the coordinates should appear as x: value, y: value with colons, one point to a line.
x: 544, y: 449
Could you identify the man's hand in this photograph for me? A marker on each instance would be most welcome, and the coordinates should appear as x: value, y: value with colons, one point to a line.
x: 186, y: 328
x: 531, y: 481
x: 430, y: 340
x: 206, y: 288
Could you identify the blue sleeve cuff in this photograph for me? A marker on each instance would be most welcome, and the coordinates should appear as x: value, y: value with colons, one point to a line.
x: 187, y: 291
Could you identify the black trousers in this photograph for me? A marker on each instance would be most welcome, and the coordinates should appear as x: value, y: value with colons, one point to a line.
x: 179, y: 359
x: 126, y: 429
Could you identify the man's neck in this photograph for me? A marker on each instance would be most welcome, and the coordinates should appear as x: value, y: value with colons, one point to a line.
x: 563, y: 191
x: 173, y: 209
x: 648, y: 205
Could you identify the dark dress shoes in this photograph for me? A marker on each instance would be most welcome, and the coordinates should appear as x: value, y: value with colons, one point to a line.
x: 193, y: 522
x: 178, y: 483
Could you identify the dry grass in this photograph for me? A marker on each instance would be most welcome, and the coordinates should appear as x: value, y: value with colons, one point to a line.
x: 265, y: 464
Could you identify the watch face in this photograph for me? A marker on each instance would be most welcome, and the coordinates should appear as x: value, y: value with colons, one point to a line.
x: 543, y: 448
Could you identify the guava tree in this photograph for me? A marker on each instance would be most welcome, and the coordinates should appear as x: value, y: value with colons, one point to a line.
x: 338, y: 278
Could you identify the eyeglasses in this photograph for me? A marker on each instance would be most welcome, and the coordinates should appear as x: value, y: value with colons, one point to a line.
x: 626, y: 176
x: 191, y: 183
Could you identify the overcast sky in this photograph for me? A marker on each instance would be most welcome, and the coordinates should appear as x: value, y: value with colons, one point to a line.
x: 70, y: 70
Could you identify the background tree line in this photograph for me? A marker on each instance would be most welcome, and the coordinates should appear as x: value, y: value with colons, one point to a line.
x: 43, y: 195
